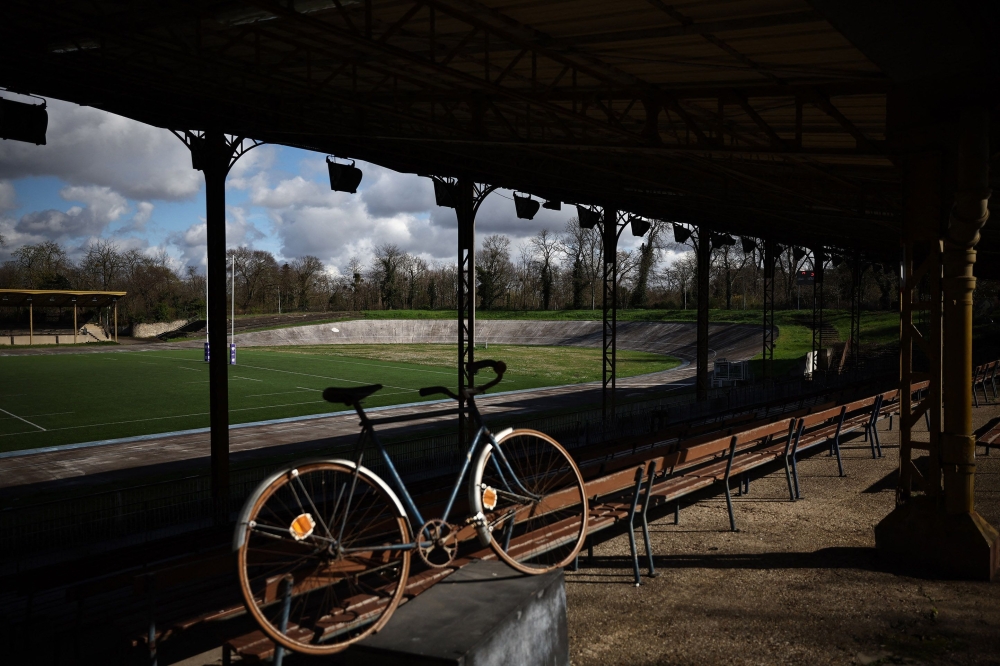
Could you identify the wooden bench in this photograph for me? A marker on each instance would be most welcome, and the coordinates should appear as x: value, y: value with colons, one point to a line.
x: 981, y: 375
x: 827, y: 427
x: 689, y: 466
x: 989, y: 434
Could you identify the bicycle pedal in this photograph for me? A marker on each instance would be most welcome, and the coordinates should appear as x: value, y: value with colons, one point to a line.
x: 483, y: 529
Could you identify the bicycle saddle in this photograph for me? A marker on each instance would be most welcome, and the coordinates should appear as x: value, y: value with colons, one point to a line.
x: 350, y: 395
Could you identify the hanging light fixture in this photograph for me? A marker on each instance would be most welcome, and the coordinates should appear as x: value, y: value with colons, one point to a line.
x: 749, y: 245
x: 639, y: 226
x: 442, y: 194
x: 525, y: 206
x: 588, y: 218
x: 552, y: 204
x: 722, y: 240
x: 23, y: 122
x: 681, y: 234
x: 343, y: 177
x: 798, y: 254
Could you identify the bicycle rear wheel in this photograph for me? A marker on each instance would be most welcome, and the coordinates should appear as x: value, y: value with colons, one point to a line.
x: 322, y: 555
x: 534, y: 501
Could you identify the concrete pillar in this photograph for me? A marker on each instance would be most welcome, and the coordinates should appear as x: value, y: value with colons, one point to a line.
x: 704, y: 251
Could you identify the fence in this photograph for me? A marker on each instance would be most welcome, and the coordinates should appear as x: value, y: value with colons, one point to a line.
x: 31, y: 535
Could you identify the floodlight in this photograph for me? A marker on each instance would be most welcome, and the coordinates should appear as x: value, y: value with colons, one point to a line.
x: 749, y: 244
x: 681, y: 234
x: 525, y: 206
x: 639, y: 226
x: 442, y: 194
x: 798, y: 254
x: 23, y: 122
x: 720, y: 240
x: 835, y: 259
x: 552, y: 205
x: 588, y: 218
x: 343, y: 177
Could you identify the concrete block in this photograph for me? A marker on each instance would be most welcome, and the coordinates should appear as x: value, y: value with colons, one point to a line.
x: 485, y: 614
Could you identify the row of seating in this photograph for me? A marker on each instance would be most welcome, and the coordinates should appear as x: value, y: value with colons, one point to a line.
x: 983, y: 375
x: 680, y: 449
x: 685, y: 466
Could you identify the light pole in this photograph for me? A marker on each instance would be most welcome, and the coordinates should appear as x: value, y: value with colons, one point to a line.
x: 232, y: 318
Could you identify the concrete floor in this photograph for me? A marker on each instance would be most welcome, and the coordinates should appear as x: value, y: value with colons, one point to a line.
x: 799, y: 584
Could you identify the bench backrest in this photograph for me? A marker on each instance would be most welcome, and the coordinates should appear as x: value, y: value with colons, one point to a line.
x: 820, y: 418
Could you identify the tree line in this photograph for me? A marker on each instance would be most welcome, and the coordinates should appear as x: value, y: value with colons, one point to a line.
x: 549, y: 271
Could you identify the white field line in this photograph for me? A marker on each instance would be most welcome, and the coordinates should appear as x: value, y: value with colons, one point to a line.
x: 155, y: 418
x: 249, y: 379
x: 4, y: 418
x: 181, y: 367
x: 336, y: 379
x: 261, y: 395
x: 25, y: 420
x: 373, y: 364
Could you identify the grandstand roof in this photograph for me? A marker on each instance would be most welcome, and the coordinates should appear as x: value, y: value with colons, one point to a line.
x: 780, y: 118
x: 58, y: 298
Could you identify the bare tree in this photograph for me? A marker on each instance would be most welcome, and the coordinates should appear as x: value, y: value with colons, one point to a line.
x: 546, y: 245
x: 386, y: 273
x: 585, y: 249
x: 493, y: 270
x: 306, y: 269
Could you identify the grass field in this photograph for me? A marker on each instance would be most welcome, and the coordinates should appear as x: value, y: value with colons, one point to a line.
x: 67, y: 398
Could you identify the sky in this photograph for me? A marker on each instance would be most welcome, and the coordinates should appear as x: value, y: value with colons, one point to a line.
x: 102, y: 176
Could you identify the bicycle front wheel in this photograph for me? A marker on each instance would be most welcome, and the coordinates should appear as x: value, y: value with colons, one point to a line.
x: 533, y: 499
x: 322, y: 555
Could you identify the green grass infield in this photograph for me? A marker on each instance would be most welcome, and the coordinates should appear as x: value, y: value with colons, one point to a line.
x: 50, y: 400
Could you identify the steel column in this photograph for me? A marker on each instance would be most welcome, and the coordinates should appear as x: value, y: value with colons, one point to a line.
x: 854, y: 340
x: 767, y: 357
x: 920, y: 292
x: 704, y: 251
x: 817, y: 320
x: 466, y: 197
x: 462, y: 193
x: 215, y: 159
x: 969, y: 214
x: 941, y: 530
x: 609, y: 231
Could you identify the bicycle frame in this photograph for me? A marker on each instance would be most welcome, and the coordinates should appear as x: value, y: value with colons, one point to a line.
x: 368, y: 432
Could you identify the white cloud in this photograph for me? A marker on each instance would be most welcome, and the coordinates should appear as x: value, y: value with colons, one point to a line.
x: 387, y: 193
x: 87, y: 146
x: 8, y: 196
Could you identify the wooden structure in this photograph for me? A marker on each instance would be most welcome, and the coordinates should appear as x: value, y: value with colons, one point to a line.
x: 835, y: 125
x: 58, y: 298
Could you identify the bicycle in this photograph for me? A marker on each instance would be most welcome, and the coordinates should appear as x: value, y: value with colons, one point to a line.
x: 324, y: 547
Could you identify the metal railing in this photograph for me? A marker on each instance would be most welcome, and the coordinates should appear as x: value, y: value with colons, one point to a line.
x: 146, y: 512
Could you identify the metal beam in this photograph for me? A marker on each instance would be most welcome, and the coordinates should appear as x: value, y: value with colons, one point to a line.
x: 609, y: 234
x: 704, y: 254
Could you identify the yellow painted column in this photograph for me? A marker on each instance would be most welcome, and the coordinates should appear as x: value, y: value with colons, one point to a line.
x: 968, y: 216
x: 31, y: 323
x: 116, y: 321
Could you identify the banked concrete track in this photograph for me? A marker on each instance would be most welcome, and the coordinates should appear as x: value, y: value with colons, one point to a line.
x: 118, y: 460
x: 730, y: 341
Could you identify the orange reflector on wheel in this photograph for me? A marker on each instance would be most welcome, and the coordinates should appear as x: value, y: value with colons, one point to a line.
x: 489, y: 498
x: 302, y: 527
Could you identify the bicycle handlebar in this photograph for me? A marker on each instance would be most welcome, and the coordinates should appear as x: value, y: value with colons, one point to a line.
x: 498, y: 367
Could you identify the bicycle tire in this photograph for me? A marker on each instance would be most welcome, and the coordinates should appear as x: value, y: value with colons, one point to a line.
x: 547, y: 532
x: 330, y: 570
